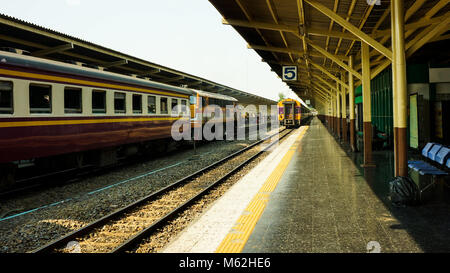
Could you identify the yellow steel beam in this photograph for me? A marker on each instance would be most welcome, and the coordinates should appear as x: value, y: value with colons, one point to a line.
x: 351, y: 28
x: 386, y: 34
x: 300, y: 66
x: 321, y: 92
x: 322, y: 100
x: 250, y: 19
x: 319, y: 97
x: 52, y: 50
x: 301, y: 19
x: 174, y: 79
x: 288, y: 28
x: 440, y: 38
x: 382, y: 18
x: 436, y: 8
x: 260, y: 25
x: 287, y: 50
x: 275, y: 18
x: 423, y: 22
x: 150, y: 72
x: 275, y: 49
x: 324, y: 89
x: 325, y: 71
x: 333, y: 58
x: 361, y: 25
x: 116, y: 63
x: 429, y: 35
x: 325, y: 82
x: 349, y: 13
x: 415, y: 6
x: 330, y: 27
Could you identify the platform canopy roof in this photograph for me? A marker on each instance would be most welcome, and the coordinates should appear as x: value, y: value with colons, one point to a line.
x: 50, y: 44
x: 318, y: 36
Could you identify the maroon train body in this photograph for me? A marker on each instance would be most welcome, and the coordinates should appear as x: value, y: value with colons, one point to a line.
x: 55, y: 113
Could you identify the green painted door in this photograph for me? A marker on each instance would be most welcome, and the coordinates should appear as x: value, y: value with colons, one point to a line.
x: 413, y: 125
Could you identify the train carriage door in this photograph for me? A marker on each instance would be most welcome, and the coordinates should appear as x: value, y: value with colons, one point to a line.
x: 288, y: 113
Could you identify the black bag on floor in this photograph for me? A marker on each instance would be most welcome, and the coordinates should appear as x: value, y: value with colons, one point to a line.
x: 403, y: 191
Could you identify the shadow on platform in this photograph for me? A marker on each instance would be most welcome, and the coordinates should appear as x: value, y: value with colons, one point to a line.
x: 428, y: 223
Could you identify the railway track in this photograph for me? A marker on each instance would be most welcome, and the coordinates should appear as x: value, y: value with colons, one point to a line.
x: 64, y: 177
x: 123, y: 229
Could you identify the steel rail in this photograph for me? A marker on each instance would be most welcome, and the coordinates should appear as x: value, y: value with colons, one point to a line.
x: 133, y: 241
x: 116, y: 214
x: 38, y: 182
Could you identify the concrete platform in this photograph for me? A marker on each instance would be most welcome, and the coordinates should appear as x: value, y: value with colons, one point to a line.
x: 321, y: 201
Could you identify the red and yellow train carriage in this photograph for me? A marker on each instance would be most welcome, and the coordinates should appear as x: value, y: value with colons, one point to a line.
x: 53, y: 113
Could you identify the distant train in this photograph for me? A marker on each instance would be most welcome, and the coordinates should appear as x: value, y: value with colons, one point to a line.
x: 56, y: 115
x: 291, y: 113
x: 202, y: 99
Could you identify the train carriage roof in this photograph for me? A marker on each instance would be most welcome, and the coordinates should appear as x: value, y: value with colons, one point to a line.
x: 72, y: 69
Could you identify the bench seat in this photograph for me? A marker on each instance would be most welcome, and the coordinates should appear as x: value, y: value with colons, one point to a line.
x: 435, y: 152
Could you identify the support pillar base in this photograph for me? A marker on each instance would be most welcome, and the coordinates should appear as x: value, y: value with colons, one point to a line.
x: 344, y: 129
x: 338, y: 121
x: 367, y: 130
x: 401, y: 156
x: 352, y: 135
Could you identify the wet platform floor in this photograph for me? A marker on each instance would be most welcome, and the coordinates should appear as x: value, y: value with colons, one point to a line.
x: 325, y: 202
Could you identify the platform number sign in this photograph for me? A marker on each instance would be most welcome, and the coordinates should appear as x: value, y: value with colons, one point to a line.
x: 289, y: 73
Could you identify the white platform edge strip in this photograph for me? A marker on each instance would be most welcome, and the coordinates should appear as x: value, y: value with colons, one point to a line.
x: 205, y: 234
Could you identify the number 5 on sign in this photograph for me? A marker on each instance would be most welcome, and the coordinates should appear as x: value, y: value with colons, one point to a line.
x: 289, y: 73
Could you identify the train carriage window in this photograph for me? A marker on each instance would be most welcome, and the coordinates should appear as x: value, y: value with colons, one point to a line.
x: 151, y: 104
x: 40, y: 98
x: 183, y: 106
x: 6, y: 97
x: 137, y: 104
x: 164, y: 106
x: 174, y: 106
x: 119, y: 103
x: 72, y: 100
x: 98, y: 102
x: 193, y: 100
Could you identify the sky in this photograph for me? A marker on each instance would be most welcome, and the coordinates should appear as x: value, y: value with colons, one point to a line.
x: 186, y: 35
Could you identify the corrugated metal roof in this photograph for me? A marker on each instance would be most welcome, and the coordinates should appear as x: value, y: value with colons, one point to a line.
x: 274, y: 29
x: 24, y: 35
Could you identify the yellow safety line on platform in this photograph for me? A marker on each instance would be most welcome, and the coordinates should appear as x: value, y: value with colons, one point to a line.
x: 236, y: 239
